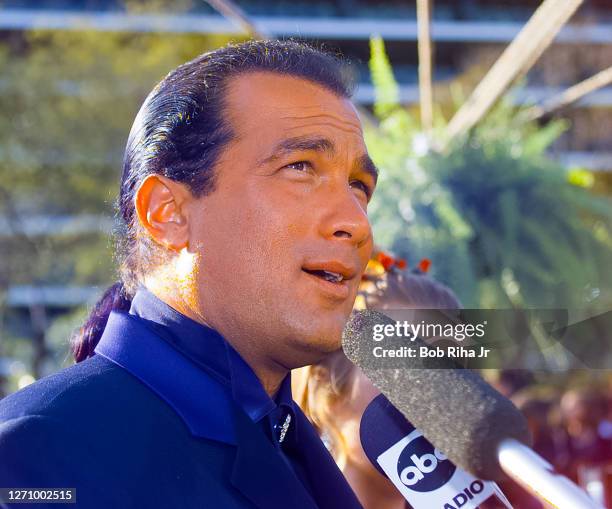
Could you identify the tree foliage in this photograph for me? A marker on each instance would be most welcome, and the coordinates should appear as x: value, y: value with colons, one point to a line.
x: 503, y: 223
x: 68, y: 100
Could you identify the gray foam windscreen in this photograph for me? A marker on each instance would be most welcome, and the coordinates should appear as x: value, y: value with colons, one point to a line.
x: 455, y: 408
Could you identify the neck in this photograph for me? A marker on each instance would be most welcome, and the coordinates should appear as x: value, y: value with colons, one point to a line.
x: 269, y: 372
x: 373, y: 491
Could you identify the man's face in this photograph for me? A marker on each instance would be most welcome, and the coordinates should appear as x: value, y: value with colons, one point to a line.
x: 283, y: 239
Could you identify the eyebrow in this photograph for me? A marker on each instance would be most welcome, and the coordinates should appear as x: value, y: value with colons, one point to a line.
x: 300, y: 143
x: 308, y: 143
x: 366, y: 164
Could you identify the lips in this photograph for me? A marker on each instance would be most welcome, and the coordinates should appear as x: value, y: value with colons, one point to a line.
x: 332, y: 278
x: 332, y: 271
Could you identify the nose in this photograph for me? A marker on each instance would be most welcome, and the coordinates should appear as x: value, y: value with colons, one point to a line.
x: 346, y: 219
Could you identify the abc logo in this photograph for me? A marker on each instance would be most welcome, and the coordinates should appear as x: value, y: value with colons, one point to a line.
x: 423, y: 468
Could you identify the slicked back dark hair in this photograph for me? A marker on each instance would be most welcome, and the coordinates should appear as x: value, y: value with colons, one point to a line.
x: 180, y: 132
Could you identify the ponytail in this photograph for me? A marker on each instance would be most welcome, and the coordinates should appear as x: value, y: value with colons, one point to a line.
x: 88, y: 336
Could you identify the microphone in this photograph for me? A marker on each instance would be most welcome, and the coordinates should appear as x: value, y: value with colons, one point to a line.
x: 421, y: 473
x: 477, y: 428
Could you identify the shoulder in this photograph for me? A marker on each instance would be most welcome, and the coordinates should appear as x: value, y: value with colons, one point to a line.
x: 94, y: 403
x: 105, y: 475
x: 77, y: 389
x: 96, y: 427
x: 24, y: 441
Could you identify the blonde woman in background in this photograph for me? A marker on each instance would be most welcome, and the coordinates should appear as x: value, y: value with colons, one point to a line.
x: 334, y: 393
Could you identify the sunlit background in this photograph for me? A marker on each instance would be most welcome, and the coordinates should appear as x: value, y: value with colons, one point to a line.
x: 496, y: 156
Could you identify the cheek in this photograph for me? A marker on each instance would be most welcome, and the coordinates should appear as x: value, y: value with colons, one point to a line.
x: 365, y: 253
x: 248, y: 235
x: 267, y: 236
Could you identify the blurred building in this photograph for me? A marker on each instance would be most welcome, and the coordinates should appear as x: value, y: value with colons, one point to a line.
x: 468, y: 36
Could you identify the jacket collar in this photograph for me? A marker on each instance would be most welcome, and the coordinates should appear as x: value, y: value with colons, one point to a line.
x: 127, y: 342
x: 208, y: 349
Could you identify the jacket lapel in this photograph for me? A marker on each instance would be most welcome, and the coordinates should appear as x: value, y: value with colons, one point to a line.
x: 330, y: 488
x: 261, y: 474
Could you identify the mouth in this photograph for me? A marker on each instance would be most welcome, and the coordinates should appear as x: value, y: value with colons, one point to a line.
x: 333, y: 278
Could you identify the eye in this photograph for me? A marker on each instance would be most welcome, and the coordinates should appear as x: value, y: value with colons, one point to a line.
x: 359, y: 184
x: 299, y: 166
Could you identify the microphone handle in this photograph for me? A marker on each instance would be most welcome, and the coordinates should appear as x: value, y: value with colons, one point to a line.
x: 536, y: 475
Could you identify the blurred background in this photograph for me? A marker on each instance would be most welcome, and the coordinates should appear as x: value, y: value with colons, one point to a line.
x: 495, y: 157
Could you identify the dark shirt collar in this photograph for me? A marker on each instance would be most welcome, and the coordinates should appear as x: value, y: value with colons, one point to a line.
x: 212, y: 355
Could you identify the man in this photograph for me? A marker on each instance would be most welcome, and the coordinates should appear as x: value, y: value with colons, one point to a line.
x: 243, y: 196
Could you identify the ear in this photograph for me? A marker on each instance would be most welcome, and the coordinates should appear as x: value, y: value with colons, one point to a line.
x: 160, y: 206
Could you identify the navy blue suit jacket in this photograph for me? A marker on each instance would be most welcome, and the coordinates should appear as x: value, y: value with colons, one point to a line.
x: 98, y: 428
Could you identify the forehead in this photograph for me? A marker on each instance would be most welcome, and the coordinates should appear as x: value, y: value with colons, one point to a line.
x: 264, y: 107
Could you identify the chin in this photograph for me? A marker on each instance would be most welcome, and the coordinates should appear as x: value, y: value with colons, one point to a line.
x: 323, y: 340
x: 305, y: 355
x: 315, y: 335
